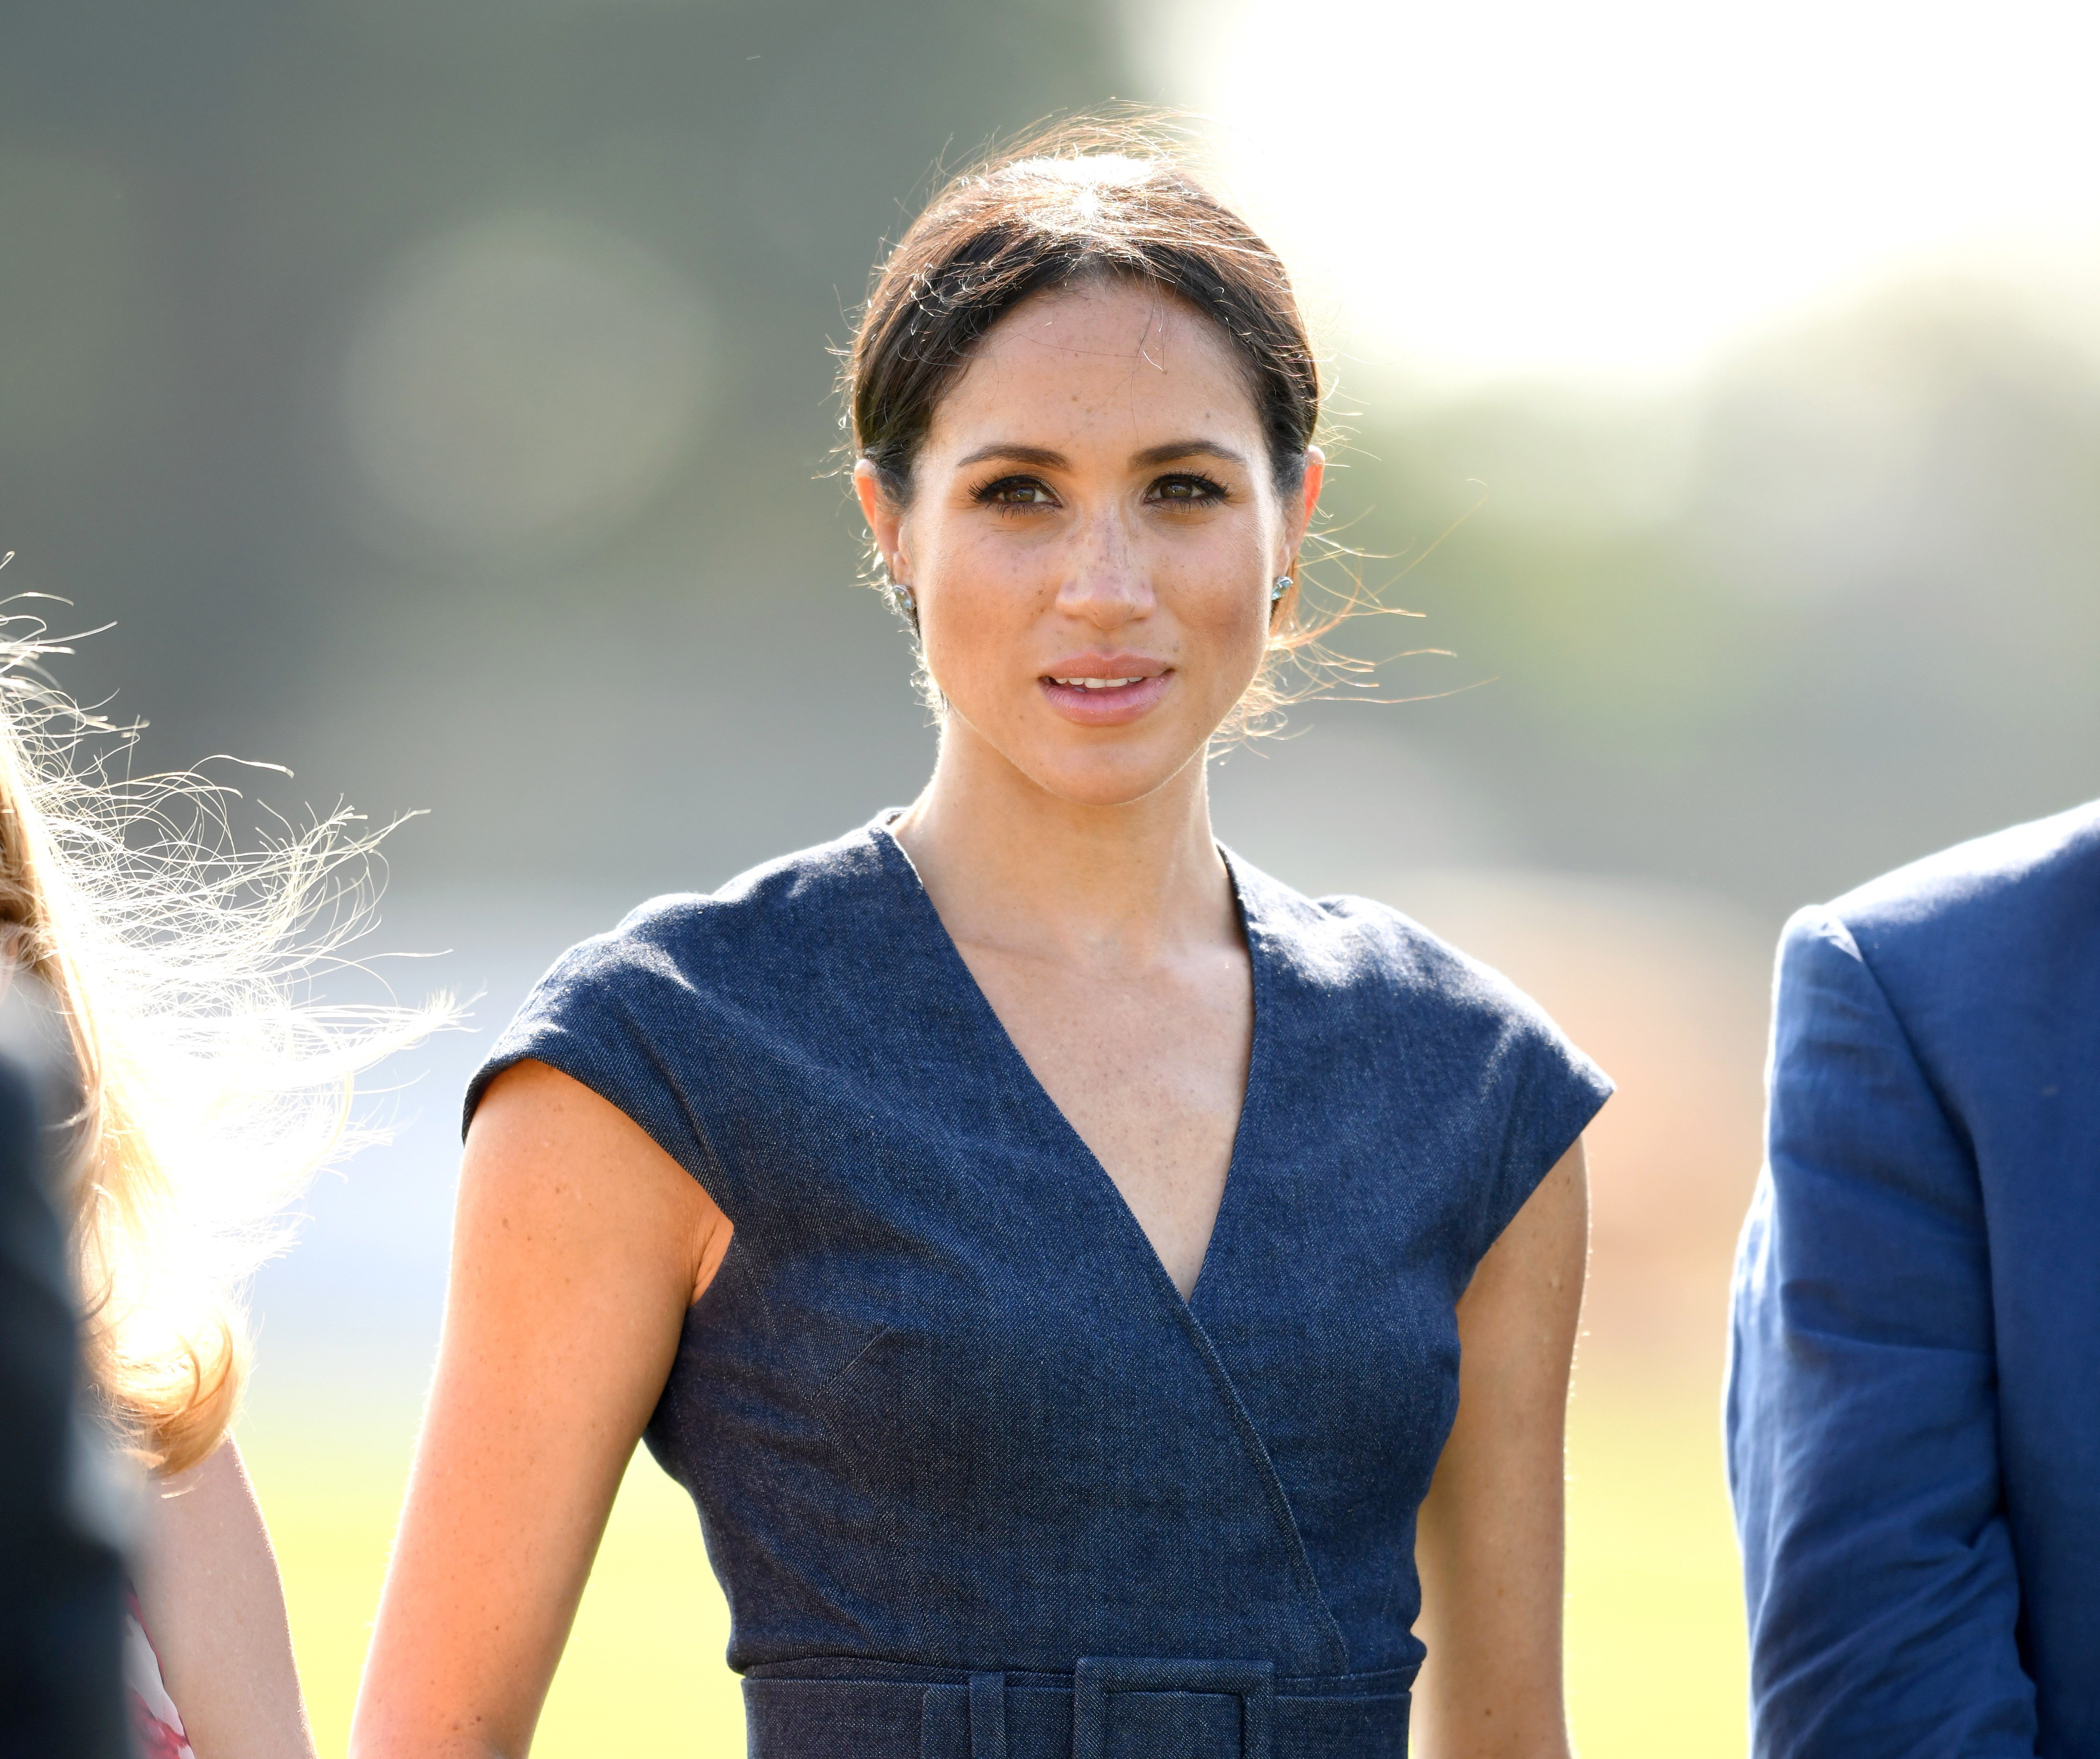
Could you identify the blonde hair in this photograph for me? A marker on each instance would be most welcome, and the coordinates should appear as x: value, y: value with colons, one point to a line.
x: 210, y: 1087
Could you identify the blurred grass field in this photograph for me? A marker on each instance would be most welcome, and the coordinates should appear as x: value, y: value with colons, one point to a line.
x: 1655, y: 1644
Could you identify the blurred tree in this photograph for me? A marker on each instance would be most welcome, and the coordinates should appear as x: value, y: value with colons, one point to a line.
x: 1835, y: 608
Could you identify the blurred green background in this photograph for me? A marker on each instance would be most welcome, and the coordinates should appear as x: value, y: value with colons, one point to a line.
x: 435, y: 398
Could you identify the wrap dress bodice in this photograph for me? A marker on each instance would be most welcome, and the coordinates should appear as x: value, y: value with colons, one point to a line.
x: 975, y: 1478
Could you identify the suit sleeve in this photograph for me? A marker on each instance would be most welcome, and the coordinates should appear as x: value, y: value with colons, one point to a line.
x: 1861, y: 1411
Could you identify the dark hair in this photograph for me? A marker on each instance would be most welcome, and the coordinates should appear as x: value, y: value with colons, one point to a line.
x: 1085, y: 201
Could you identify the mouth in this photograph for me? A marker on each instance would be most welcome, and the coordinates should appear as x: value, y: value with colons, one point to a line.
x: 1106, y: 691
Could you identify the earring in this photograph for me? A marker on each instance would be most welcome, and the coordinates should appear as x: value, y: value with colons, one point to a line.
x: 900, y: 596
x: 1282, y: 585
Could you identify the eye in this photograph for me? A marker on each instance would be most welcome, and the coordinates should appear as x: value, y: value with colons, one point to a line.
x: 1186, y: 488
x: 1015, y: 493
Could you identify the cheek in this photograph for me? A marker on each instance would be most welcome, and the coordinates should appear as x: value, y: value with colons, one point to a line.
x: 1246, y: 641
x: 1222, y: 601
x: 977, y: 621
x: 972, y: 561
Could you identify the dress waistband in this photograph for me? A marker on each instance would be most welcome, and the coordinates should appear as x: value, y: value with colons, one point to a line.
x: 1107, y: 1708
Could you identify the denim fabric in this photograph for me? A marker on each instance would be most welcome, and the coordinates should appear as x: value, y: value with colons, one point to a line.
x: 942, y: 1411
x: 1914, y: 1393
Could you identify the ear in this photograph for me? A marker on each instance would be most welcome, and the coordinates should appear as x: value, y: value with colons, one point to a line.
x: 885, y: 518
x: 1299, y: 517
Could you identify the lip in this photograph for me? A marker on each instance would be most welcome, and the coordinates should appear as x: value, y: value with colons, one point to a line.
x: 1107, y: 705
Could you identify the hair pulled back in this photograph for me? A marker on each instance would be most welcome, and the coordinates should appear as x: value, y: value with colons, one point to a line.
x: 1085, y: 201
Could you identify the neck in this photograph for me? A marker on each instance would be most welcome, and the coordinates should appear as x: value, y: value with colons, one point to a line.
x: 1010, y: 866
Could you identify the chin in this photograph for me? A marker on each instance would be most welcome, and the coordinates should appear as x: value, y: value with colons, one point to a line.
x: 1103, y: 778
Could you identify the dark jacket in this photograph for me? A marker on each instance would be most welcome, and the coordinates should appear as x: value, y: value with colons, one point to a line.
x: 61, y: 1579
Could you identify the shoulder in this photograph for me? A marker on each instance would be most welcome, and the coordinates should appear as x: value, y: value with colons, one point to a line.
x: 1375, y: 965
x: 1344, y: 943
x: 1976, y: 972
x: 792, y: 908
x: 1444, y: 1048
x: 2040, y: 866
x: 692, y: 976
x: 2012, y: 907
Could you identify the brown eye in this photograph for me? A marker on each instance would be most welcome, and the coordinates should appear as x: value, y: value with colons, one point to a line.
x: 1187, y: 491
x: 1015, y: 492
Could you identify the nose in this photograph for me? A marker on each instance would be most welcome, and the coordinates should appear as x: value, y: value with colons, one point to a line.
x: 1105, y: 582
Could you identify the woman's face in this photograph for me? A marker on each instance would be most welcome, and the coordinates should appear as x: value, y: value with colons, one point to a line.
x: 1092, y: 534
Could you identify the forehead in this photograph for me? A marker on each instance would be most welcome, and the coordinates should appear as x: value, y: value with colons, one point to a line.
x: 1098, y: 361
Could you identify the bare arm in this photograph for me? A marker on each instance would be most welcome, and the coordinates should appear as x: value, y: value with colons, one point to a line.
x: 1490, y: 1539
x: 578, y: 1245
x: 208, y: 1587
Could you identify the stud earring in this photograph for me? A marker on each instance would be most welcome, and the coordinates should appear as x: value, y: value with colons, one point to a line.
x: 901, y: 595
x: 1282, y: 585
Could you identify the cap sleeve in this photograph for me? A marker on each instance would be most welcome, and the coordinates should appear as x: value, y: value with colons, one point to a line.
x: 1546, y: 1091
x: 590, y: 1017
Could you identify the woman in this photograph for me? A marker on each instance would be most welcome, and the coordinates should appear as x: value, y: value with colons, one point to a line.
x: 1042, y: 1243
x: 160, y: 972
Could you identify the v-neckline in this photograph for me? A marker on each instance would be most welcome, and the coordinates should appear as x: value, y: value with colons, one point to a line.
x: 899, y: 862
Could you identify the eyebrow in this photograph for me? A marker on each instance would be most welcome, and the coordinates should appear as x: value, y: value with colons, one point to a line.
x: 1186, y: 449
x: 1152, y: 456
x: 1042, y: 455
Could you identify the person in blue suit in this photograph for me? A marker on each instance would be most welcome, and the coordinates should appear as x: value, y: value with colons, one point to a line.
x: 1913, y: 1400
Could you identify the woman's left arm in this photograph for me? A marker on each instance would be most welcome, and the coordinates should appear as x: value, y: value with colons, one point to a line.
x: 1489, y: 1540
x: 214, y: 1609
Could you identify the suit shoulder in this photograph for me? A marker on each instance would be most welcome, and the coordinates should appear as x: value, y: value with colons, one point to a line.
x: 2029, y: 875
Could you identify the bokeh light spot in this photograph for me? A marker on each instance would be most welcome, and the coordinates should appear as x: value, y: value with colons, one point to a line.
x: 527, y: 381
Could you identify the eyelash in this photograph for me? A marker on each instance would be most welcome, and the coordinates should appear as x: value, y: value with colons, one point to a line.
x: 988, y: 494
x: 1212, y: 492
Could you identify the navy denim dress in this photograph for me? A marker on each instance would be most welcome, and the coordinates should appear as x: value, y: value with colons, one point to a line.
x: 977, y: 1482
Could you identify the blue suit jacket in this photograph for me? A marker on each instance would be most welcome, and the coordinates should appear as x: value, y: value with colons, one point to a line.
x: 1914, y: 1403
